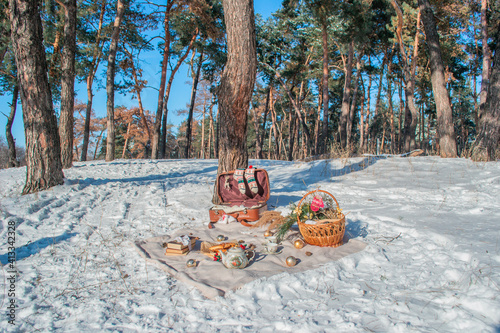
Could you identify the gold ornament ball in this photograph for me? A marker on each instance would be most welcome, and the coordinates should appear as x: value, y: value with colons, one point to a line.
x: 191, y: 263
x: 291, y: 261
x: 268, y: 233
x: 299, y: 243
x: 221, y: 238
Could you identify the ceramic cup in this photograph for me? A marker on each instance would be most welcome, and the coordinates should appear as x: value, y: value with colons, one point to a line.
x: 272, y: 239
x: 271, y: 247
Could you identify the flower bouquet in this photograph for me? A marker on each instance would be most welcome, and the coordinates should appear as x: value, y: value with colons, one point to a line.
x: 319, y: 217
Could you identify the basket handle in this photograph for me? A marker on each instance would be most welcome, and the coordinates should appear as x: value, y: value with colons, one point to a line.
x: 312, y: 192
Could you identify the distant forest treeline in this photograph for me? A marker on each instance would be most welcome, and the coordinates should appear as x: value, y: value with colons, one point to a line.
x: 333, y: 77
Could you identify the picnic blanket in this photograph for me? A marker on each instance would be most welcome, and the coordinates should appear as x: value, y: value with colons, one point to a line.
x: 213, y: 279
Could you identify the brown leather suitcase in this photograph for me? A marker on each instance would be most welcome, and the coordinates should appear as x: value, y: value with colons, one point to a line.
x: 246, y: 207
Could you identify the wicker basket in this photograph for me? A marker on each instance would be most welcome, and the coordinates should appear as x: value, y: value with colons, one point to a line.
x: 324, y: 232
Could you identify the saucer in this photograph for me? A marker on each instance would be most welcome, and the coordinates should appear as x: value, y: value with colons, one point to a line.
x: 266, y: 252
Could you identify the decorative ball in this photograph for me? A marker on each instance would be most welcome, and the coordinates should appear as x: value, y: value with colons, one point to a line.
x: 291, y: 261
x: 299, y: 243
x: 191, y: 263
x: 268, y: 233
x: 221, y: 238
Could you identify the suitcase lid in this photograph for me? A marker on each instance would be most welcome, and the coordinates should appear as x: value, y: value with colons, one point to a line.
x: 229, y: 194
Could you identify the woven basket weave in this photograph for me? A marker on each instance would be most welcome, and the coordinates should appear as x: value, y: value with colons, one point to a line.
x: 324, y: 232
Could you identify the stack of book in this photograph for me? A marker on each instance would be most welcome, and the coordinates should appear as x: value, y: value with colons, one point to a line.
x: 177, y: 248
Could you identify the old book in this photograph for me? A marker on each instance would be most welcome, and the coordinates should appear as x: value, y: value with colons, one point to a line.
x: 179, y: 246
x: 177, y: 251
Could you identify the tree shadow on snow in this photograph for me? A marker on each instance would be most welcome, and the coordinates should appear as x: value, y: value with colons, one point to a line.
x: 35, y: 247
x: 318, y: 171
x: 174, y: 179
x: 303, y: 180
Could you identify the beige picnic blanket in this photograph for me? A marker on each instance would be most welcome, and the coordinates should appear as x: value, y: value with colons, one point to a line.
x: 213, y: 279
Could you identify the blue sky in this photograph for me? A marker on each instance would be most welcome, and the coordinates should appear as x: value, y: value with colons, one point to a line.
x: 179, y: 96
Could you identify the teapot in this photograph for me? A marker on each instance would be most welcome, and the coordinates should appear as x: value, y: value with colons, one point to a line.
x: 236, y: 257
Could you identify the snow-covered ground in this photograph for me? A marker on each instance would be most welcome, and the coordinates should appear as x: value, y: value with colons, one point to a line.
x: 432, y: 263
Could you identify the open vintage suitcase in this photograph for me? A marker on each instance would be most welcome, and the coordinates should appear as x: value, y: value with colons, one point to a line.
x: 246, y: 207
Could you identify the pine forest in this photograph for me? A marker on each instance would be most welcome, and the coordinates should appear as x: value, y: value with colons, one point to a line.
x: 333, y: 78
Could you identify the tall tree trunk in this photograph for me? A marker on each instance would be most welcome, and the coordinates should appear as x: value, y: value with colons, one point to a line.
x: 411, y: 112
x: 291, y: 136
x: 203, y: 148
x: 110, y: 82
x: 236, y: 84
x: 155, y: 145
x: 124, y: 150
x: 261, y: 133
x: 90, y: 80
x: 43, y: 150
x: 391, y: 113
x: 196, y: 78
x: 98, y: 143
x: 211, y: 132
x: 138, y: 89
x: 68, y: 84
x: 324, y: 132
x: 400, y: 120
x: 489, y: 123
x: 486, y: 72
x: 446, y: 131
x: 387, y: 59
x: 88, y: 115
x: 352, y: 108
x: 163, y: 140
x: 12, y: 163
x: 258, y: 143
x: 317, y: 126
x: 362, y: 115
x: 366, y: 92
x: 272, y: 129
x: 346, y: 97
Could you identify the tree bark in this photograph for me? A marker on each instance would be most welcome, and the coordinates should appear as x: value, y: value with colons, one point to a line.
x: 411, y: 112
x: 90, y: 80
x: 324, y: 132
x: 138, y: 89
x: 68, y: 84
x: 12, y: 163
x: 163, y: 139
x: 486, y: 72
x: 155, y: 144
x: 260, y: 134
x: 361, y: 116
x: 346, y: 96
x: 237, y: 83
x: 317, y: 126
x: 489, y: 124
x: 43, y: 154
x: 191, y: 106
x: 352, y: 107
x: 446, y: 131
x: 110, y: 82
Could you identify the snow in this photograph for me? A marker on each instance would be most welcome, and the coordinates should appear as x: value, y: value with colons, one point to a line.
x: 432, y: 263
